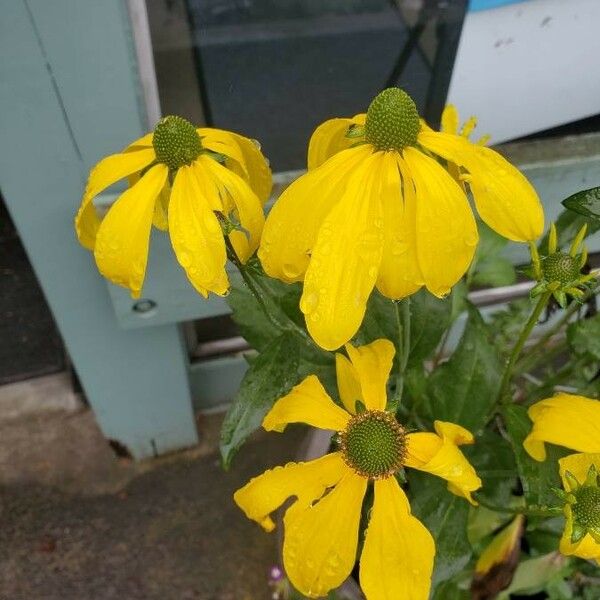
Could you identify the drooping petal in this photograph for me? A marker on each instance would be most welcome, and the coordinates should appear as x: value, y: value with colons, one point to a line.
x: 446, y: 231
x: 450, y: 119
x: 293, y: 223
x: 373, y: 363
x: 565, y: 420
x: 345, y: 259
x: 160, y: 220
x: 505, y: 200
x: 196, y: 235
x: 247, y: 159
x: 108, y: 171
x: 319, y: 548
x: 438, y: 454
x: 144, y: 142
x: 347, y: 382
x: 399, y: 273
x: 329, y: 138
x: 307, y: 481
x: 397, y: 557
x: 308, y: 403
x: 248, y: 207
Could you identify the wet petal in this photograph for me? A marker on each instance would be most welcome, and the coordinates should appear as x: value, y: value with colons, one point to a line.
x: 160, y: 220
x: 307, y: 403
x: 505, y: 200
x: 123, y: 238
x: 565, y: 420
x: 347, y: 382
x: 373, y: 364
x: 293, y: 223
x: 319, y: 548
x: 345, y: 259
x: 578, y: 465
x: 446, y: 232
x: 399, y: 273
x: 329, y: 138
x: 307, y: 481
x: 438, y: 454
x: 108, y: 171
x: 397, y: 557
x: 196, y: 235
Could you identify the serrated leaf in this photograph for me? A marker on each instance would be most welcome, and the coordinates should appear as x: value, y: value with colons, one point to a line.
x: 463, y: 389
x: 446, y: 517
x: 586, y: 202
x: 537, y: 478
x: 270, y: 376
x: 584, y: 336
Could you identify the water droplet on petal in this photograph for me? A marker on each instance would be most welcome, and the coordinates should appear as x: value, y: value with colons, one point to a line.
x: 185, y: 259
x: 309, y: 302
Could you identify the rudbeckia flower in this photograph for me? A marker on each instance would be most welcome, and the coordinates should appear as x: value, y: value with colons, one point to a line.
x: 322, y: 523
x: 573, y: 422
x: 380, y: 206
x: 184, y: 180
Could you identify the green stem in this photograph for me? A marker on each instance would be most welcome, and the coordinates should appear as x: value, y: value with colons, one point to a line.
x: 528, y: 511
x: 503, y: 396
x: 402, y: 312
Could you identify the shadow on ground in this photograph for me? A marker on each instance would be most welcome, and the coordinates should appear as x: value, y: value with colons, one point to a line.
x: 172, y: 532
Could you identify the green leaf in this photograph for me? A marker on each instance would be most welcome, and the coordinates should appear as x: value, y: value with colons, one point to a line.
x: 270, y: 376
x: 446, y: 516
x: 463, y: 389
x: 494, y: 271
x: 586, y: 202
x: 537, y: 478
x: 567, y: 225
x: 584, y: 336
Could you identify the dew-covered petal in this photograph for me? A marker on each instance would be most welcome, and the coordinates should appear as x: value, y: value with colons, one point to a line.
x: 294, y: 221
x: 373, y: 363
x: 196, y: 235
x: 319, y: 548
x: 307, y: 481
x: 347, y: 382
x: 399, y: 273
x: 438, y: 454
x: 345, y: 259
x: 329, y: 138
x: 308, y: 403
x: 108, y: 171
x: 121, y: 250
x: 446, y: 231
x: 397, y: 557
x: 565, y: 420
x: 505, y: 199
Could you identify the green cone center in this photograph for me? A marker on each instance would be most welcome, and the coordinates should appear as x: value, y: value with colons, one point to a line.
x: 586, y: 511
x: 374, y: 444
x: 176, y: 142
x: 561, y: 267
x: 392, y: 120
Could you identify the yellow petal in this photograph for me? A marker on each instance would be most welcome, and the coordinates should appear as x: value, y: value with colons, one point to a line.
x: 450, y: 119
x: 196, y: 235
x: 160, y: 220
x: 505, y: 200
x: 108, y: 171
x: 446, y: 232
x: 373, y: 364
x: 565, y: 420
x: 586, y: 548
x: 329, y: 138
x: 144, y: 142
x: 319, y: 548
x: 468, y: 127
x: 578, y: 465
x: 123, y: 238
x: 248, y: 207
x: 345, y: 259
x: 210, y: 190
x: 397, y: 557
x: 307, y: 481
x: 294, y: 221
x: 347, y: 382
x: 502, y: 547
x: 438, y: 454
x: 248, y: 161
x: 308, y: 403
x: 399, y: 273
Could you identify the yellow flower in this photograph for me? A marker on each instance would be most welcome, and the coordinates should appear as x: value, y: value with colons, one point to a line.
x: 380, y: 207
x: 573, y: 422
x: 322, y: 524
x: 184, y: 180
